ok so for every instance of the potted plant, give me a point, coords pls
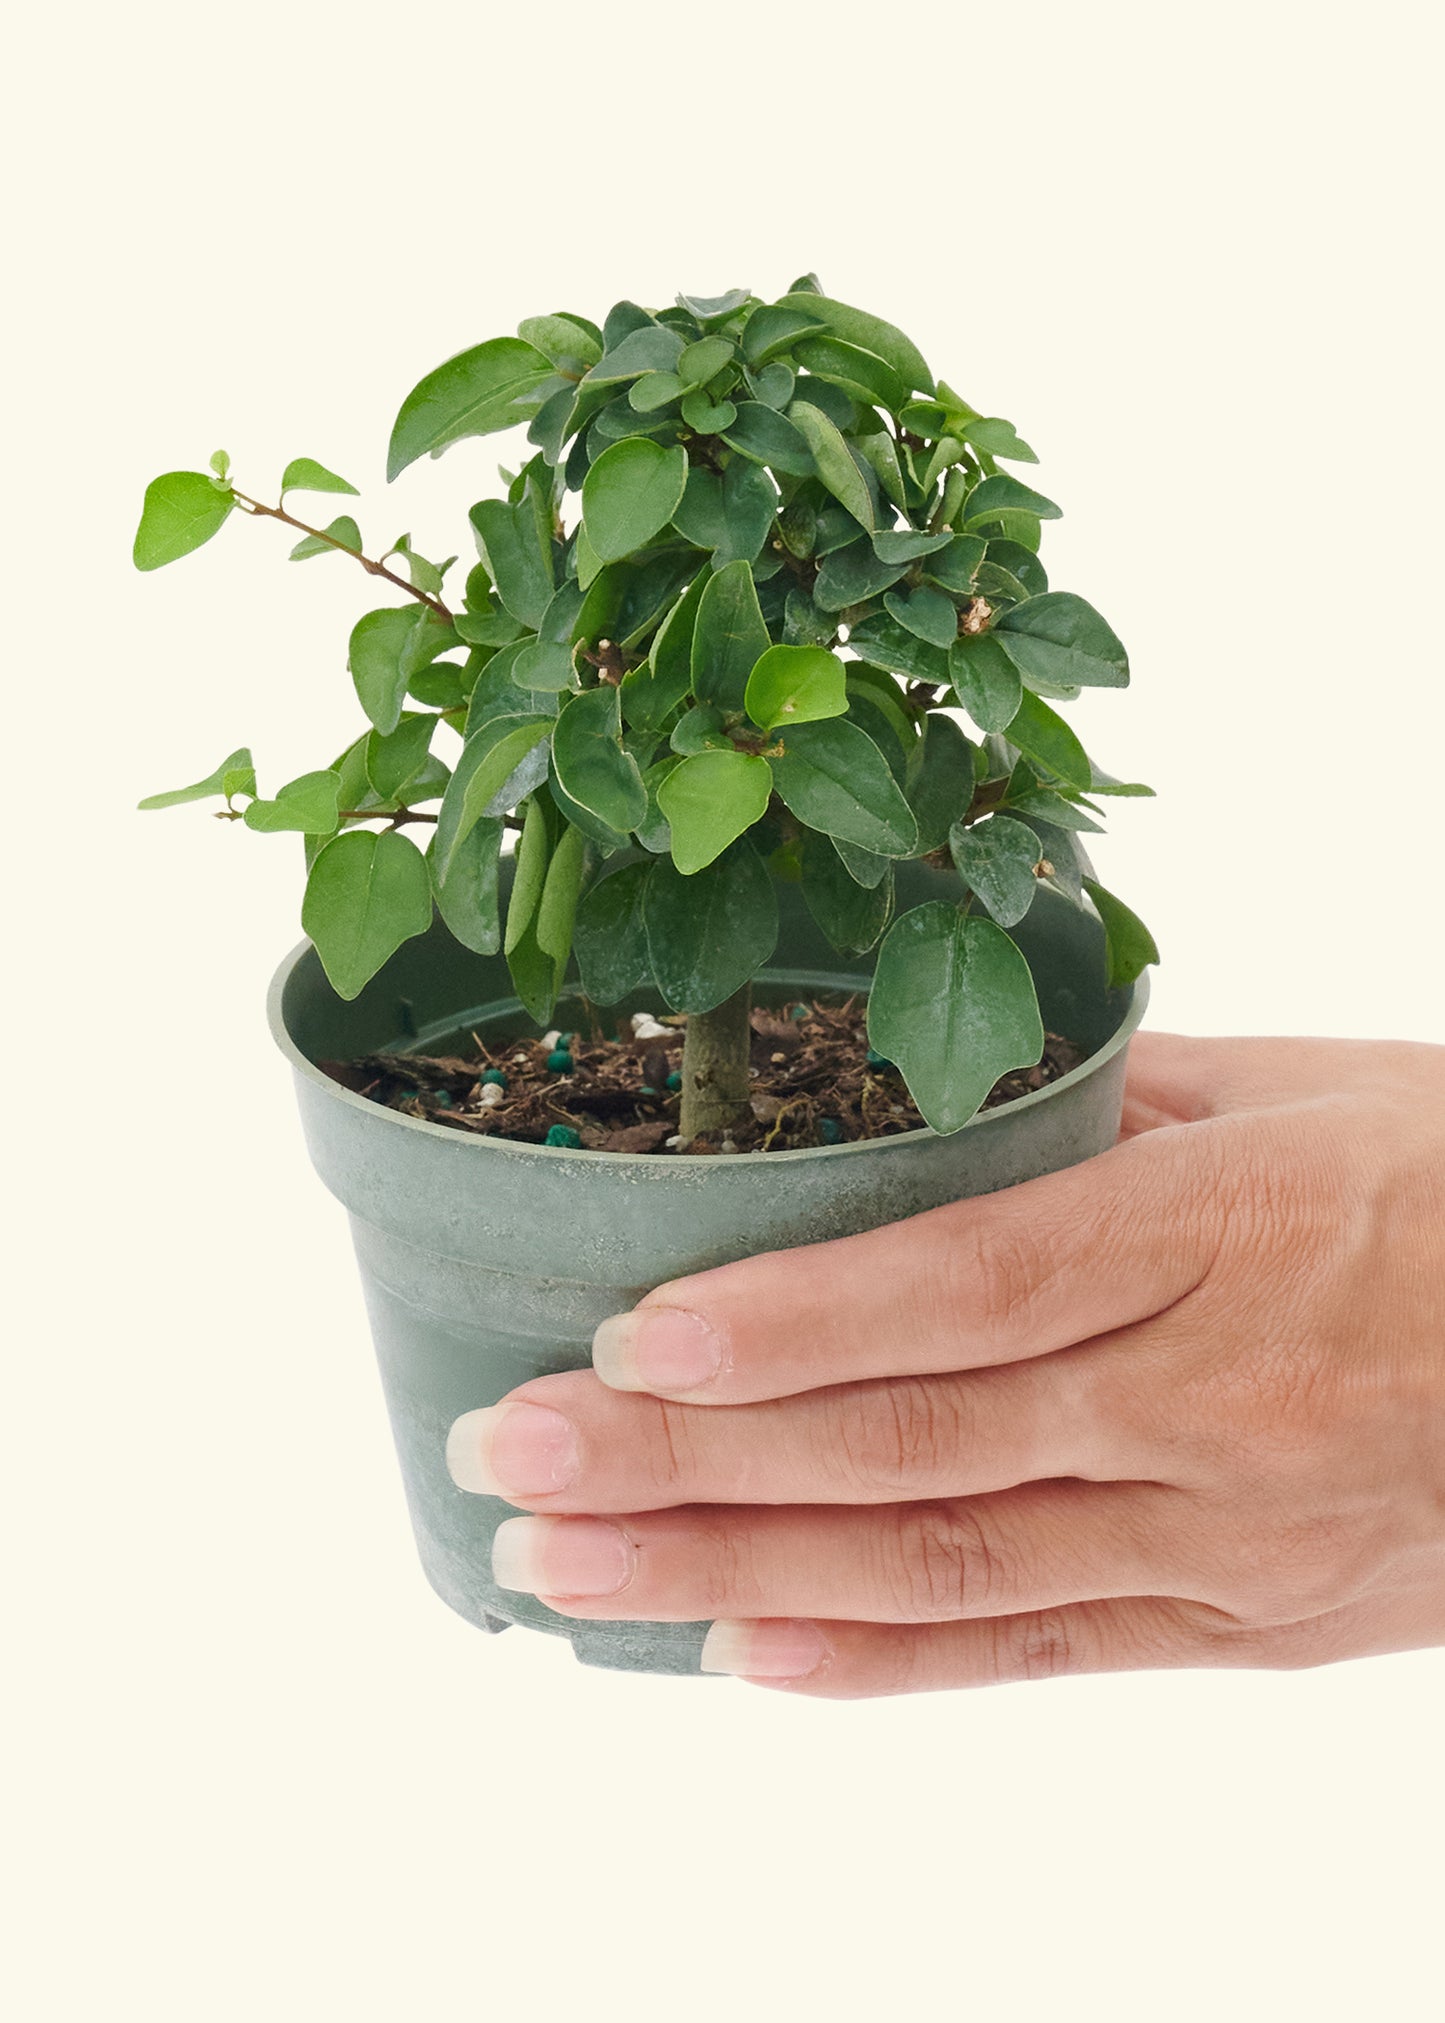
(720, 708)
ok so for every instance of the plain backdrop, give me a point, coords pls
(257, 1770)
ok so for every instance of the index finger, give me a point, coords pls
(1035, 1268)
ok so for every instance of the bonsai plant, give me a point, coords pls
(724, 681)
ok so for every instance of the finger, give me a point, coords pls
(569, 1443)
(1170, 1079)
(991, 1280)
(833, 1660)
(1173, 1079)
(1044, 1546)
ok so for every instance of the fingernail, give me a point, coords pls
(562, 1556)
(779, 1648)
(656, 1349)
(512, 1450)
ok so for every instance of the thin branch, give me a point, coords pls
(255, 507)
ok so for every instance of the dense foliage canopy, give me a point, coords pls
(797, 557)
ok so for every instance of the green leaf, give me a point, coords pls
(425, 576)
(653, 391)
(996, 859)
(893, 733)
(765, 437)
(715, 308)
(880, 453)
(729, 637)
(541, 910)
(1041, 734)
(544, 665)
(861, 373)
(1003, 494)
(234, 775)
(940, 780)
(1064, 862)
(870, 333)
(709, 934)
(645, 591)
(1129, 946)
(591, 764)
(552, 424)
(834, 459)
(795, 684)
(388, 647)
(700, 362)
(494, 693)
(954, 1005)
(853, 575)
(1053, 808)
(884, 641)
(630, 494)
(879, 691)
(998, 585)
(906, 544)
(1018, 561)
(652, 831)
(985, 679)
(182, 510)
(561, 341)
(379, 642)
(834, 778)
(483, 784)
(304, 474)
(467, 897)
(607, 839)
(864, 867)
(366, 895)
(700, 729)
(708, 417)
(996, 438)
(931, 419)
(954, 567)
(1101, 782)
(392, 761)
(1062, 640)
(804, 624)
(610, 937)
(651, 693)
(344, 530)
(650, 348)
(732, 515)
(851, 915)
(623, 318)
(772, 384)
(518, 557)
(946, 453)
(709, 801)
(491, 387)
(534, 851)
(490, 626)
(773, 328)
(926, 613)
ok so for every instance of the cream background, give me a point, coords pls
(257, 1770)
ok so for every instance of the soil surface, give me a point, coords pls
(815, 1082)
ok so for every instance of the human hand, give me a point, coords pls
(1182, 1405)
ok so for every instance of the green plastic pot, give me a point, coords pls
(485, 1263)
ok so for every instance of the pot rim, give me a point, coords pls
(981, 1120)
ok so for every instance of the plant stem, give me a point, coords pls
(715, 1090)
(319, 534)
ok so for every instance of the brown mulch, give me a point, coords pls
(814, 1083)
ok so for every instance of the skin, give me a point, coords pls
(1183, 1405)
